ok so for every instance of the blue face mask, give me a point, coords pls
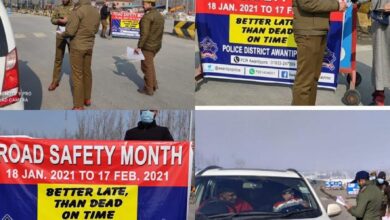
(147, 116)
(380, 181)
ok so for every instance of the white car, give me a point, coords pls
(257, 194)
(10, 93)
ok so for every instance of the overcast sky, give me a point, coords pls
(304, 140)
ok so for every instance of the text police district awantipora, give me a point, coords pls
(107, 162)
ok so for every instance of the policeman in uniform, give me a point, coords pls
(151, 33)
(60, 17)
(81, 29)
(310, 26)
(368, 201)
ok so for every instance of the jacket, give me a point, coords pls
(368, 203)
(150, 132)
(82, 26)
(311, 17)
(60, 12)
(151, 31)
(104, 13)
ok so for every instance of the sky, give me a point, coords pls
(51, 123)
(304, 140)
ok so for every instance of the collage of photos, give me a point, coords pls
(194, 109)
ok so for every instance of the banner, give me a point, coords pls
(78, 179)
(125, 24)
(353, 189)
(253, 40)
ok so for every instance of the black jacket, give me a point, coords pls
(148, 132)
(104, 13)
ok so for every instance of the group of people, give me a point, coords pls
(311, 25)
(373, 199)
(77, 24)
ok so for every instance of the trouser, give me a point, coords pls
(110, 27)
(309, 60)
(147, 67)
(81, 61)
(104, 27)
(59, 56)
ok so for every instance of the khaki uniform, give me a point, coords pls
(368, 203)
(310, 25)
(81, 29)
(151, 33)
(60, 12)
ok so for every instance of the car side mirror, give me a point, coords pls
(333, 210)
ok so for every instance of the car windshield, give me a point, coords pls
(3, 40)
(263, 197)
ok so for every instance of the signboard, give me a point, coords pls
(334, 184)
(72, 179)
(353, 189)
(346, 49)
(125, 24)
(253, 41)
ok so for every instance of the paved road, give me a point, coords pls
(115, 79)
(229, 92)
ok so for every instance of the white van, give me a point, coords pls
(257, 194)
(10, 93)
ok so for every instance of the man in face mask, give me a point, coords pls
(383, 185)
(368, 201)
(147, 129)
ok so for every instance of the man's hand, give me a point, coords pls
(342, 5)
(348, 206)
(63, 20)
(137, 51)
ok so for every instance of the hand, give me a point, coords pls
(342, 5)
(348, 206)
(387, 7)
(137, 51)
(62, 20)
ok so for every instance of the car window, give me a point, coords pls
(248, 194)
(3, 40)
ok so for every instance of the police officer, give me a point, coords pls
(151, 33)
(368, 201)
(310, 25)
(147, 129)
(60, 17)
(81, 29)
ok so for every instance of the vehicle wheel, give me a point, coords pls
(351, 97)
(358, 79)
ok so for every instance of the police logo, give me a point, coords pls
(329, 59)
(236, 59)
(208, 49)
(7, 217)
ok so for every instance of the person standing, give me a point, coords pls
(81, 29)
(368, 201)
(104, 13)
(385, 189)
(150, 42)
(113, 9)
(60, 18)
(148, 129)
(381, 50)
(310, 26)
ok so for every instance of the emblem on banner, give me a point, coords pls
(329, 59)
(7, 217)
(208, 49)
